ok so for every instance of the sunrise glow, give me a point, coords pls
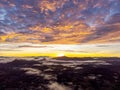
(59, 44)
(78, 28)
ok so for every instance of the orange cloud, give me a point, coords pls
(60, 21)
(46, 5)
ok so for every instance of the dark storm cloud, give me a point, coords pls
(59, 21)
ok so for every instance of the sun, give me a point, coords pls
(60, 55)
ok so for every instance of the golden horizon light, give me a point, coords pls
(58, 50)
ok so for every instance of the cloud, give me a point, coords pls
(60, 22)
(103, 34)
(30, 46)
(57, 86)
(31, 71)
(8, 50)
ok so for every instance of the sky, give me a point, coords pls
(52, 27)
